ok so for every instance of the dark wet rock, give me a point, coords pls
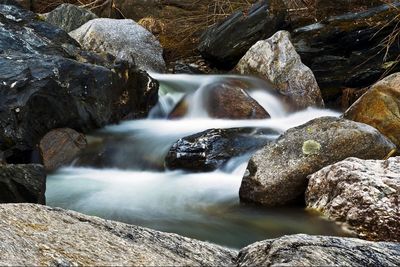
(124, 39)
(22, 183)
(60, 146)
(69, 17)
(277, 174)
(363, 194)
(34, 235)
(48, 82)
(380, 108)
(345, 51)
(211, 149)
(305, 250)
(223, 100)
(226, 43)
(277, 61)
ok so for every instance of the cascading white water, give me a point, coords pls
(200, 205)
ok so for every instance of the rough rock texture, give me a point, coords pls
(278, 173)
(223, 100)
(60, 146)
(277, 61)
(22, 183)
(225, 43)
(362, 193)
(124, 39)
(209, 150)
(37, 235)
(380, 108)
(345, 51)
(305, 250)
(48, 82)
(69, 17)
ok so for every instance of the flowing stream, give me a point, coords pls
(131, 185)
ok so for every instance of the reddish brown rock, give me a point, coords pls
(59, 147)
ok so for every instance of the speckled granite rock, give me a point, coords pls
(35, 235)
(362, 193)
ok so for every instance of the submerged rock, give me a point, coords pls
(364, 194)
(277, 61)
(345, 51)
(37, 235)
(22, 183)
(305, 250)
(277, 174)
(211, 149)
(222, 100)
(124, 39)
(69, 17)
(380, 108)
(60, 146)
(225, 43)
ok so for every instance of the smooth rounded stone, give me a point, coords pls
(125, 39)
(48, 82)
(277, 174)
(60, 146)
(380, 108)
(364, 194)
(34, 235)
(222, 100)
(277, 61)
(69, 17)
(22, 183)
(345, 51)
(226, 42)
(306, 250)
(211, 149)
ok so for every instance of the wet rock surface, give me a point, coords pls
(278, 172)
(364, 194)
(211, 149)
(22, 183)
(305, 250)
(60, 146)
(345, 51)
(380, 108)
(277, 61)
(124, 39)
(69, 17)
(225, 43)
(38, 235)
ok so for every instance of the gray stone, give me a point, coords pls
(277, 61)
(305, 250)
(22, 183)
(278, 173)
(124, 39)
(69, 17)
(364, 194)
(34, 235)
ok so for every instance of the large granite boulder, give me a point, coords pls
(22, 183)
(345, 51)
(305, 250)
(226, 42)
(277, 174)
(69, 17)
(225, 99)
(48, 82)
(277, 61)
(125, 39)
(36, 235)
(60, 146)
(380, 108)
(364, 194)
(211, 149)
